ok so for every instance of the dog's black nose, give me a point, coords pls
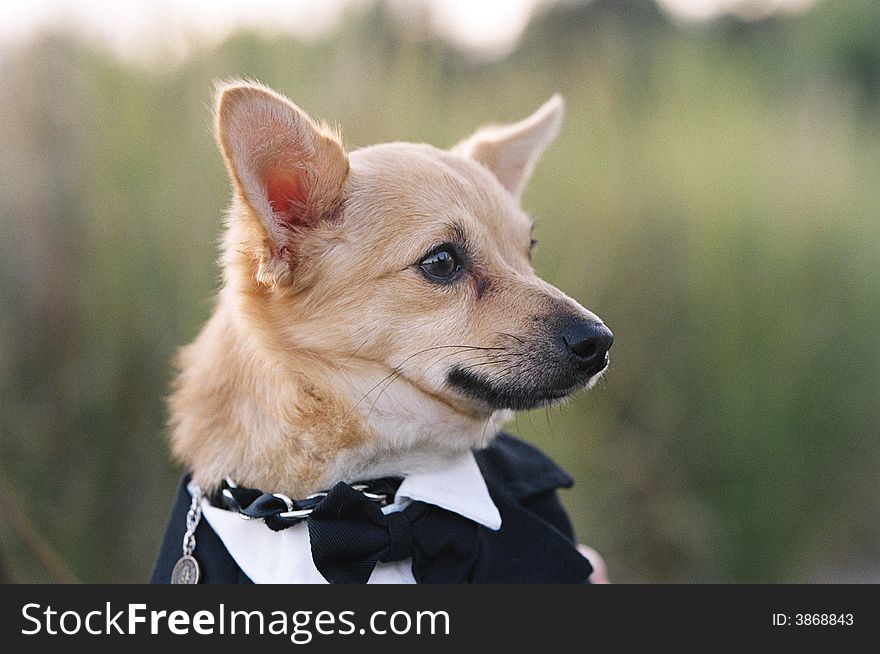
(589, 342)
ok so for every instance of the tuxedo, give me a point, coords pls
(501, 499)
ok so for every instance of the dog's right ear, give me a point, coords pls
(286, 169)
(511, 151)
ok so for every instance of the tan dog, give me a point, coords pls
(378, 310)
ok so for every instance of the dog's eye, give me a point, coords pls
(441, 265)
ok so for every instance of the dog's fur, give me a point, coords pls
(330, 356)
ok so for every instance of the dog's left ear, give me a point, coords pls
(287, 169)
(511, 151)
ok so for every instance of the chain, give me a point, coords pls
(293, 510)
(192, 521)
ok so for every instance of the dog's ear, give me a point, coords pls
(286, 168)
(511, 151)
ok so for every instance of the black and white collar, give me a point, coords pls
(267, 556)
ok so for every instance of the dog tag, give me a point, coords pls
(186, 571)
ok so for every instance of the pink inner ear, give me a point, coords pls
(289, 196)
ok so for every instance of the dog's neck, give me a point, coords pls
(236, 412)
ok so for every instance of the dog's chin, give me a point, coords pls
(516, 395)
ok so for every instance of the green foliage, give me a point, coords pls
(713, 196)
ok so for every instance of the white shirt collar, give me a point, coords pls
(268, 556)
(456, 485)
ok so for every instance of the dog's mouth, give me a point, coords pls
(570, 355)
(528, 392)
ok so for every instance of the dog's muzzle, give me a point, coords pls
(565, 356)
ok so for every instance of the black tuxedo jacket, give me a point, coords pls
(534, 545)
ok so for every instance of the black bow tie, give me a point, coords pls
(349, 533)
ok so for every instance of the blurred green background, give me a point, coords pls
(713, 196)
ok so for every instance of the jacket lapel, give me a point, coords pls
(536, 543)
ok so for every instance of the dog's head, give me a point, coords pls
(407, 256)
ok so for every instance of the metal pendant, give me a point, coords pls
(186, 570)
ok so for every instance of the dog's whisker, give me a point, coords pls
(397, 370)
(531, 422)
(486, 358)
(359, 347)
(441, 347)
(483, 431)
(374, 387)
(450, 354)
(548, 422)
(517, 339)
(381, 393)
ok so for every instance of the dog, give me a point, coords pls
(379, 318)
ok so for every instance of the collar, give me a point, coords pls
(535, 545)
(455, 484)
(265, 556)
